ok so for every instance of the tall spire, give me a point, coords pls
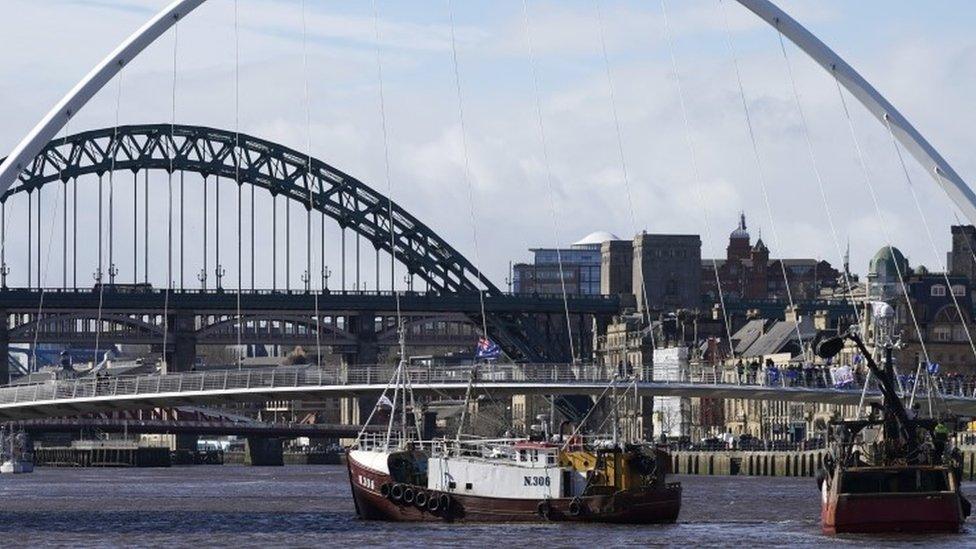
(847, 258)
(742, 220)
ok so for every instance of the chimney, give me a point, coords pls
(821, 320)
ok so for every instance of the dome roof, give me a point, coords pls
(740, 231)
(596, 238)
(883, 262)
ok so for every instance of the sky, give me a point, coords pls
(523, 191)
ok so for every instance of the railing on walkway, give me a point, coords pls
(379, 375)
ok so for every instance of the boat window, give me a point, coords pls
(905, 481)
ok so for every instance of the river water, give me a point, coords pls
(310, 506)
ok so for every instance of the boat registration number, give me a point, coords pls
(536, 481)
(367, 482)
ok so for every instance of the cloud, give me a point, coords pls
(925, 67)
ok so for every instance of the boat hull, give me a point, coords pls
(876, 513)
(16, 467)
(631, 507)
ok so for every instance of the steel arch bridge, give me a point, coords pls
(316, 186)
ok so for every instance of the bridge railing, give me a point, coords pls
(380, 375)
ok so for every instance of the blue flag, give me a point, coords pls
(487, 349)
(933, 368)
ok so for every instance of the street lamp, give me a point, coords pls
(326, 273)
(202, 277)
(220, 272)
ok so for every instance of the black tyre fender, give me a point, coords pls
(445, 503)
(434, 503)
(408, 495)
(544, 509)
(385, 489)
(575, 508)
(421, 499)
(396, 492)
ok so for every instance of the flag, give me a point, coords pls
(487, 349)
(843, 375)
(384, 401)
(933, 368)
(773, 375)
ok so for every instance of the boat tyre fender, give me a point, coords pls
(421, 499)
(445, 503)
(433, 503)
(828, 463)
(385, 489)
(544, 509)
(408, 495)
(396, 492)
(575, 508)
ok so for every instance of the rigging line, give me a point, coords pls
(760, 167)
(467, 167)
(693, 151)
(42, 278)
(237, 171)
(884, 230)
(386, 154)
(928, 232)
(111, 174)
(308, 186)
(548, 168)
(401, 366)
(176, 44)
(816, 169)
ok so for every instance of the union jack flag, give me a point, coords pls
(487, 349)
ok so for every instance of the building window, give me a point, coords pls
(958, 290)
(942, 333)
(938, 290)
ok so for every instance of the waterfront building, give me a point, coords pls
(748, 273)
(577, 267)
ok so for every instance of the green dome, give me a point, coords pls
(883, 262)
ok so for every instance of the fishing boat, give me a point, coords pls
(891, 472)
(398, 477)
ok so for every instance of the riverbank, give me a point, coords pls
(771, 464)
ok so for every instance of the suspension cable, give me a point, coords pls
(172, 156)
(623, 162)
(693, 152)
(931, 239)
(42, 278)
(113, 150)
(308, 185)
(869, 183)
(760, 167)
(467, 167)
(816, 168)
(548, 167)
(237, 173)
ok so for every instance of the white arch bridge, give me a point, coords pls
(225, 387)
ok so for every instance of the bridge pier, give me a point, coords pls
(262, 451)
(4, 349)
(182, 333)
(363, 326)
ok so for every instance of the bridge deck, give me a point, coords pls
(85, 395)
